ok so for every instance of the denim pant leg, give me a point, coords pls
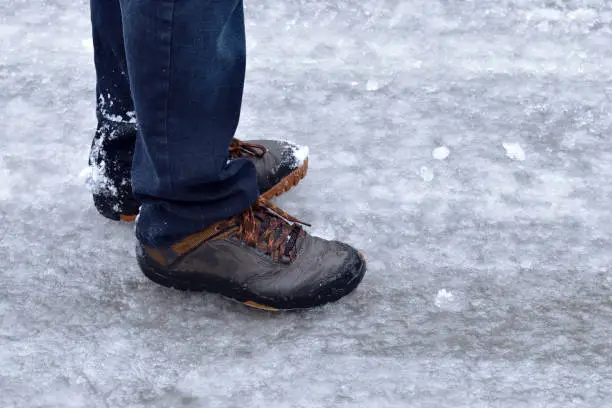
(113, 143)
(112, 87)
(186, 63)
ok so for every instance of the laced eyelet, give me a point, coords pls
(269, 229)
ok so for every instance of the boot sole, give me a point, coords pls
(286, 184)
(334, 291)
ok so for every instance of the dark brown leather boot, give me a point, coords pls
(262, 258)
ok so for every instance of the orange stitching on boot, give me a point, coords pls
(156, 255)
(260, 306)
(225, 234)
(194, 240)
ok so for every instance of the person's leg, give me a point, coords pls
(113, 87)
(113, 144)
(186, 64)
(201, 225)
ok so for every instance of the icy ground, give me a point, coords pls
(464, 146)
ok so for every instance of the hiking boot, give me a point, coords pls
(110, 166)
(262, 258)
(280, 166)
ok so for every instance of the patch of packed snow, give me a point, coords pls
(514, 151)
(449, 301)
(372, 85)
(443, 297)
(426, 173)
(440, 153)
(300, 153)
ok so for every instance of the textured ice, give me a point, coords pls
(528, 245)
(5, 184)
(346, 159)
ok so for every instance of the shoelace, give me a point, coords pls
(267, 227)
(239, 148)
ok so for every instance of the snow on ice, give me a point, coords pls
(440, 153)
(514, 151)
(489, 287)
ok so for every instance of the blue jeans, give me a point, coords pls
(176, 67)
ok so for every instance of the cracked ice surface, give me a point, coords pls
(372, 87)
